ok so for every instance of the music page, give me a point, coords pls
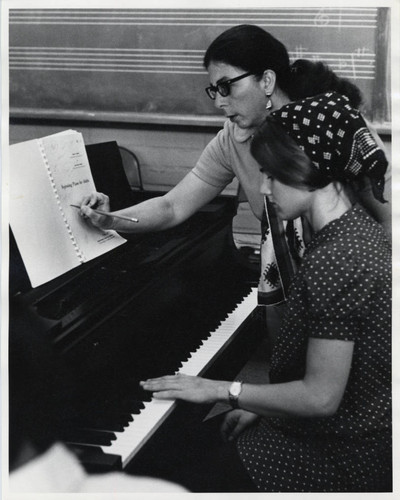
(48, 175)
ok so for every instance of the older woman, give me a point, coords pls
(251, 76)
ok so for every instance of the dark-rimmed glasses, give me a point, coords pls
(223, 88)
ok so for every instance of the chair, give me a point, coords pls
(132, 168)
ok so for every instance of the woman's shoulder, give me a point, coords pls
(230, 132)
(229, 144)
(353, 240)
(220, 142)
(346, 268)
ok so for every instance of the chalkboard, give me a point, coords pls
(148, 63)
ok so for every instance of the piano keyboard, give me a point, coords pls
(133, 437)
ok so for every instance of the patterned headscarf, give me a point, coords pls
(335, 137)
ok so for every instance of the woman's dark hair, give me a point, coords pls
(254, 50)
(312, 78)
(280, 156)
(251, 48)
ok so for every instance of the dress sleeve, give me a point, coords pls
(214, 165)
(340, 291)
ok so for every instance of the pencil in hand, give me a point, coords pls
(102, 212)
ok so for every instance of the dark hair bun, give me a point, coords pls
(310, 78)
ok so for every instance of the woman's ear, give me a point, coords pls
(269, 81)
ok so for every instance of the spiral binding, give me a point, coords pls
(78, 251)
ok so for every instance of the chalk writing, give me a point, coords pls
(322, 18)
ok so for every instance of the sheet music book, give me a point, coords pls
(47, 175)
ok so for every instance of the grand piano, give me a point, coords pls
(178, 300)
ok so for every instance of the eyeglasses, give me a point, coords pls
(223, 88)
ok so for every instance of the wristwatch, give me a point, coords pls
(234, 392)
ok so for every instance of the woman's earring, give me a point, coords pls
(268, 106)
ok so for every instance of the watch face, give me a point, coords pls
(235, 388)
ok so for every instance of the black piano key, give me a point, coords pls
(111, 412)
(94, 459)
(139, 394)
(89, 436)
(110, 426)
(115, 422)
(109, 405)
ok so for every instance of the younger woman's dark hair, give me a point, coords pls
(254, 50)
(279, 155)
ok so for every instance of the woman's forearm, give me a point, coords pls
(299, 398)
(290, 399)
(154, 214)
(318, 394)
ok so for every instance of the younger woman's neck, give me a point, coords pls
(329, 203)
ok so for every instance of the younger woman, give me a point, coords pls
(323, 424)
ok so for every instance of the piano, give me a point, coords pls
(181, 300)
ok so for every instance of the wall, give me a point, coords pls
(146, 65)
(136, 76)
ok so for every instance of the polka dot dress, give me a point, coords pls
(341, 291)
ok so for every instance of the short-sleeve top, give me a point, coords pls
(227, 156)
(342, 290)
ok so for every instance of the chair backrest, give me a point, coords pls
(109, 173)
(132, 168)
